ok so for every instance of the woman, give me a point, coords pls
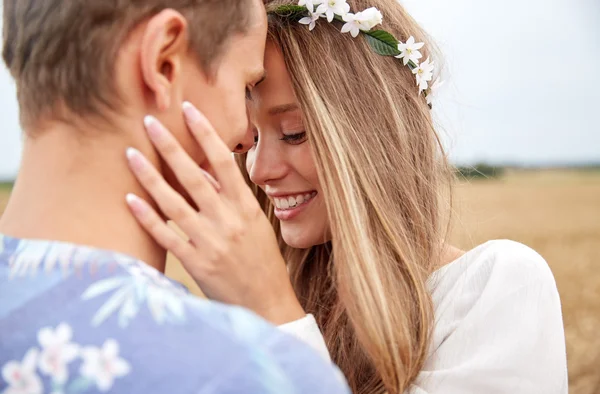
(349, 169)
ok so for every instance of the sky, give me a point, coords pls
(522, 82)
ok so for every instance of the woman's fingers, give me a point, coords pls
(201, 187)
(217, 153)
(158, 229)
(171, 203)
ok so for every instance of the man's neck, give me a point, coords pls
(72, 187)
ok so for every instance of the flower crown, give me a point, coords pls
(308, 12)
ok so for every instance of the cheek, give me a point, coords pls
(229, 107)
(305, 165)
(175, 123)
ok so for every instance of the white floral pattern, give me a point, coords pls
(144, 285)
(21, 376)
(103, 365)
(57, 352)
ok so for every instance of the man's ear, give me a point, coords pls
(164, 44)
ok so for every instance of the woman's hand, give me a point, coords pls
(232, 253)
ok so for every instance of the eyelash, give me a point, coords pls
(295, 139)
(292, 139)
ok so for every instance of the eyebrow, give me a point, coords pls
(281, 109)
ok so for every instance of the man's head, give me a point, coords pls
(80, 60)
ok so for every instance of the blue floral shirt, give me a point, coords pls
(79, 320)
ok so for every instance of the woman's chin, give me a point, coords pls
(299, 239)
(298, 242)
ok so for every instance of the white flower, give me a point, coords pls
(434, 91)
(103, 365)
(364, 21)
(310, 4)
(311, 20)
(369, 18)
(352, 25)
(333, 7)
(21, 377)
(57, 352)
(410, 51)
(424, 73)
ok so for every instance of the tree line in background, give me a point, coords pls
(479, 171)
(472, 172)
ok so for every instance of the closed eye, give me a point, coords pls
(295, 139)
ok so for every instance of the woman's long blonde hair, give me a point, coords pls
(382, 171)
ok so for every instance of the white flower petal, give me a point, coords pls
(306, 20)
(330, 15)
(70, 352)
(30, 360)
(344, 8)
(64, 333)
(110, 349)
(349, 17)
(46, 337)
(105, 382)
(347, 27)
(307, 3)
(9, 371)
(120, 367)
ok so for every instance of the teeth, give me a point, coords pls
(293, 201)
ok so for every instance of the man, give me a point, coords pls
(103, 317)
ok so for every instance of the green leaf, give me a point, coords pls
(382, 42)
(290, 11)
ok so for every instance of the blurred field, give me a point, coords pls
(558, 214)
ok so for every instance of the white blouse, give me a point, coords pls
(498, 326)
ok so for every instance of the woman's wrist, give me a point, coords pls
(284, 309)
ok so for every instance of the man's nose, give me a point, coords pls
(247, 140)
(245, 145)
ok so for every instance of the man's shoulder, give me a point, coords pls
(106, 322)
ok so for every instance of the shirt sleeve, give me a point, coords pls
(307, 330)
(510, 339)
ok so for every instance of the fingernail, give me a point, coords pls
(192, 115)
(153, 126)
(135, 158)
(135, 203)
